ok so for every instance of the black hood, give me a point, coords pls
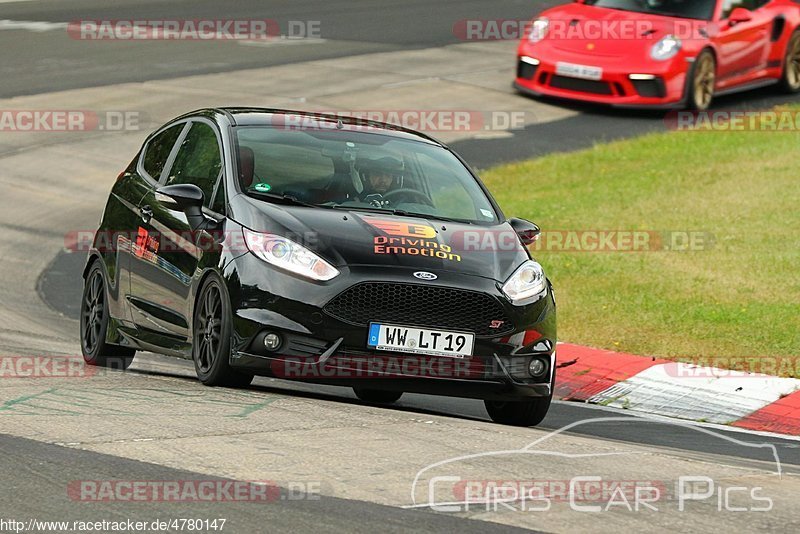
(344, 237)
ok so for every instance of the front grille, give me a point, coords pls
(578, 84)
(421, 305)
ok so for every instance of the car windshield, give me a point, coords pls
(690, 9)
(356, 170)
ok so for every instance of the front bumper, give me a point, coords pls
(320, 348)
(397, 372)
(654, 86)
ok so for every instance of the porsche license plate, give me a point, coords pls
(579, 71)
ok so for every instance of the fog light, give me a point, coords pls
(537, 368)
(272, 341)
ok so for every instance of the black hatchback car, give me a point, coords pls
(325, 249)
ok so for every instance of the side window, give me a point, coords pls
(198, 161)
(157, 151)
(729, 5)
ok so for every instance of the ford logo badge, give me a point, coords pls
(422, 275)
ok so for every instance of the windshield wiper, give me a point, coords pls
(401, 213)
(290, 199)
(437, 217)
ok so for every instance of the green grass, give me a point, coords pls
(740, 298)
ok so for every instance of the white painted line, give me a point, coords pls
(31, 26)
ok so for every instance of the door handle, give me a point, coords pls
(146, 212)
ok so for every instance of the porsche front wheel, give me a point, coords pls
(790, 79)
(703, 81)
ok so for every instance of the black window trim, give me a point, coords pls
(170, 158)
(220, 177)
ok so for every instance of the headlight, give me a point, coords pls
(666, 48)
(286, 254)
(538, 30)
(528, 281)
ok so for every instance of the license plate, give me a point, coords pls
(579, 71)
(420, 340)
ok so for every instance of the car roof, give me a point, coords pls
(251, 116)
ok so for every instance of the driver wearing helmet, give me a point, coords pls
(379, 177)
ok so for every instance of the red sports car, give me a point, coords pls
(660, 53)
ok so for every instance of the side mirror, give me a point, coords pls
(738, 15)
(527, 231)
(187, 198)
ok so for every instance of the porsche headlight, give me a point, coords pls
(286, 254)
(666, 48)
(538, 30)
(527, 282)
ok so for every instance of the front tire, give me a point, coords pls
(704, 77)
(790, 78)
(529, 412)
(377, 395)
(211, 338)
(94, 325)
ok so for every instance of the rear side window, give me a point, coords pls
(198, 161)
(158, 149)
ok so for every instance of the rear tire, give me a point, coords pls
(94, 324)
(377, 395)
(211, 338)
(790, 78)
(528, 412)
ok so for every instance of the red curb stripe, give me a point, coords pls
(782, 416)
(594, 370)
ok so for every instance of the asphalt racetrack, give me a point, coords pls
(355, 464)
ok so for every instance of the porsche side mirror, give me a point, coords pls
(527, 231)
(187, 198)
(739, 15)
